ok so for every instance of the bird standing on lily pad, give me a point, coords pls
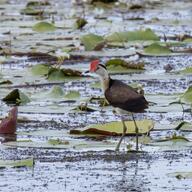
(121, 96)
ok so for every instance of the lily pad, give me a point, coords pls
(187, 96)
(62, 74)
(72, 95)
(156, 49)
(92, 42)
(116, 128)
(31, 11)
(122, 66)
(40, 69)
(16, 97)
(187, 70)
(184, 126)
(84, 108)
(7, 82)
(80, 23)
(181, 175)
(123, 63)
(17, 163)
(60, 144)
(37, 3)
(42, 27)
(175, 142)
(142, 35)
(56, 91)
(57, 142)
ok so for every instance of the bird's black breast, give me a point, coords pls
(125, 97)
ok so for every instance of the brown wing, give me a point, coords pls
(125, 97)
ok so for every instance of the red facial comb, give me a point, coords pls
(93, 65)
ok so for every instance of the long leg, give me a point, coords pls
(123, 135)
(137, 133)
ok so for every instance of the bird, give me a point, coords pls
(121, 96)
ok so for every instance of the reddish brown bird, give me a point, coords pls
(120, 96)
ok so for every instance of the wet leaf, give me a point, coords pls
(8, 125)
(187, 70)
(72, 95)
(119, 64)
(102, 101)
(57, 142)
(92, 42)
(181, 175)
(84, 107)
(16, 97)
(188, 40)
(42, 27)
(187, 96)
(62, 74)
(17, 163)
(116, 128)
(174, 138)
(155, 48)
(8, 82)
(184, 126)
(80, 23)
(96, 85)
(37, 3)
(31, 11)
(142, 35)
(174, 142)
(40, 69)
(56, 92)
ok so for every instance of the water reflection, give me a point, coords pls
(129, 178)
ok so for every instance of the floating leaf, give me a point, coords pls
(181, 175)
(54, 144)
(102, 101)
(8, 82)
(187, 96)
(174, 138)
(80, 23)
(84, 107)
(8, 125)
(31, 11)
(155, 48)
(174, 142)
(117, 64)
(188, 40)
(187, 70)
(16, 97)
(184, 126)
(44, 27)
(56, 91)
(61, 74)
(40, 69)
(72, 95)
(96, 85)
(92, 42)
(141, 35)
(116, 128)
(57, 142)
(37, 3)
(17, 163)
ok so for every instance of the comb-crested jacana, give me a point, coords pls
(120, 96)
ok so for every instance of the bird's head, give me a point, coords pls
(98, 68)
